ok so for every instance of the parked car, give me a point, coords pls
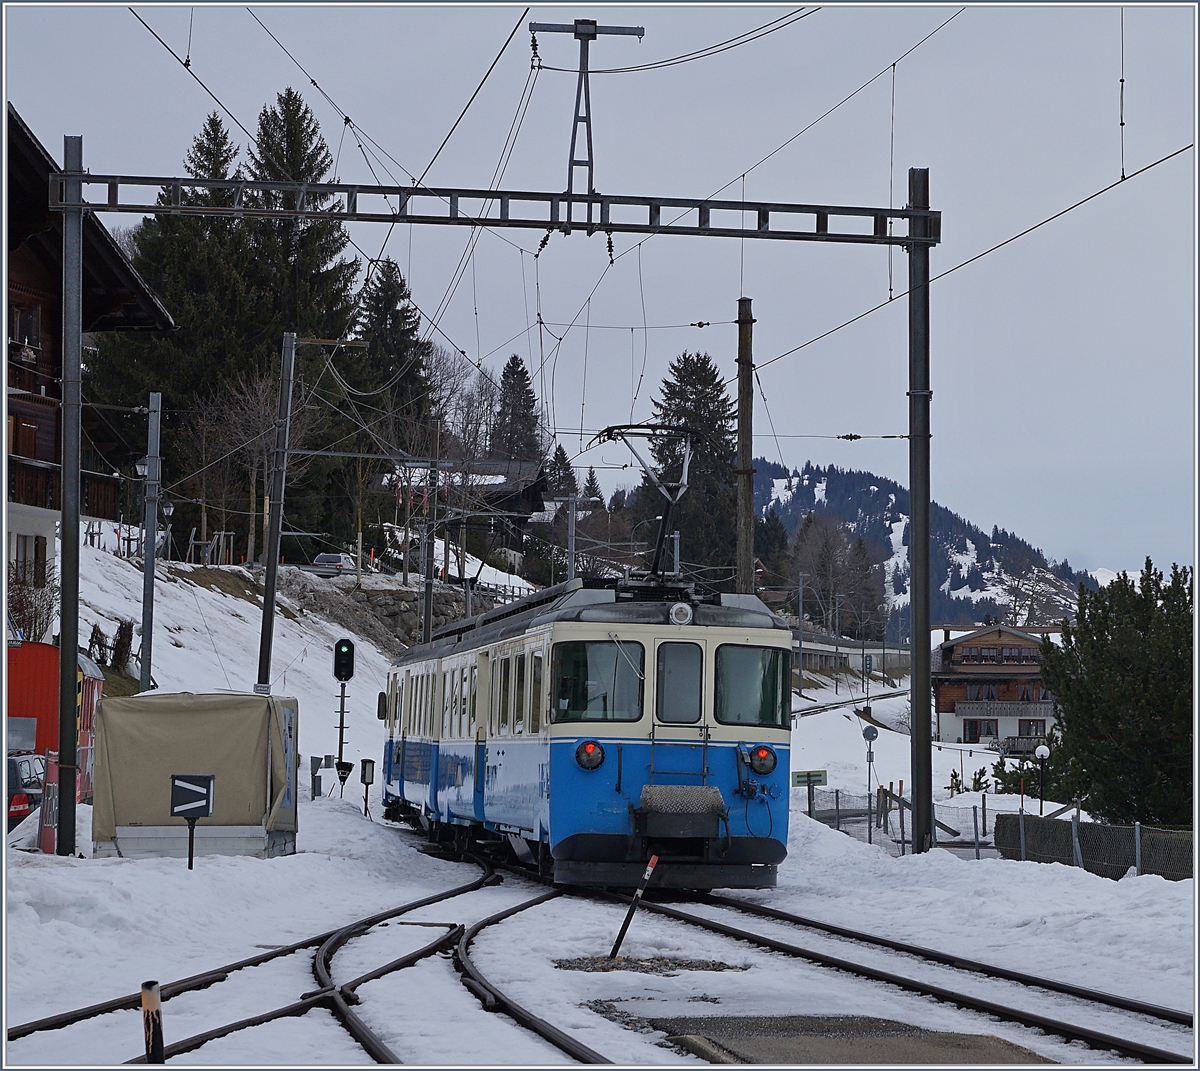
(26, 774)
(331, 565)
(339, 562)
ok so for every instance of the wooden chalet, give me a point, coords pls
(988, 690)
(115, 298)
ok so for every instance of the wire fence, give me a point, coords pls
(1107, 850)
(1110, 851)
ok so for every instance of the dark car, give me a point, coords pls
(24, 779)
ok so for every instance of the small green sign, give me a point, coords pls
(803, 778)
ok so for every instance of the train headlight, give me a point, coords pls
(590, 754)
(762, 759)
(681, 614)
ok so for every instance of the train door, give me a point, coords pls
(679, 731)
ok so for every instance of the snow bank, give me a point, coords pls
(206, 640)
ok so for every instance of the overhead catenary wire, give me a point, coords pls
(710, 50)
(978, 256)
(807, 127)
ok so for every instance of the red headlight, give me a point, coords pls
(589, 754)
(762, 759)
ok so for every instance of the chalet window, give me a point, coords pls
(1024, 693)
(982, 691)
(1011, 654)
(26, 326)
(1045, 694)
(987, 654)
(1029, 654)
(1031, 727)
(976, 729)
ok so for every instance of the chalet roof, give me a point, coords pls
(987, 630)
(115, 297)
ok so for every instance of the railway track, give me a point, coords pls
(1068, 1031)
(340, 999)
(456, 939)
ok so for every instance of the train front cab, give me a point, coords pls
(672, 742)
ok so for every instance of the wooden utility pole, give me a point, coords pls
(274, 533)
(745, 449)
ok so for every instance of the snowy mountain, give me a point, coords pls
(975, 574)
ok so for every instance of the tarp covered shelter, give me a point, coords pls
(247, 742)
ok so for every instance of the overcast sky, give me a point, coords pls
(1063, 366)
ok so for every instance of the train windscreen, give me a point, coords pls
(597, 681)
(752, 686)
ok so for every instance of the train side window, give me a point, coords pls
(680, 666)
(535, 692)
(519, 696)
(493, 697)
(597, 680)
(454, 703)
(460, 703)
(505, 693)
(474, 691)
(446, 708)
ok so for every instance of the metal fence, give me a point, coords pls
(1110, 851)
(882, 818)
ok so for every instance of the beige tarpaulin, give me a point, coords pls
(142, 740)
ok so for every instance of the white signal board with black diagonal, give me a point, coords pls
(192, 795)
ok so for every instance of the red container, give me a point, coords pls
(33, 693)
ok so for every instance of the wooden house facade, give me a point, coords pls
(115, 298)
(988, 690)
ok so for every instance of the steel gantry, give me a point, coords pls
(917, 228)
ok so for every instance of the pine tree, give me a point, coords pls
(591, 486)
(198, 266)
(770, 546)
(515, 434)
(305, 282)
(692, 396)
(560, 476)
(395, 359)
(1122, 687)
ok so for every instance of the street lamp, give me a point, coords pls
(142, 464)
(168, 508)
(1043, 753)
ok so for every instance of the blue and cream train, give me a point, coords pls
(599, 722)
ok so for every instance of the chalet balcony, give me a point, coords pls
(1021, 746)
(1000, 708)
(39, 483)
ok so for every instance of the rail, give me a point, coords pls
(1070, 1031)
(336, 999)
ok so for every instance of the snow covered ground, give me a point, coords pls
(79, 931)
(83, 930)
(206, 640)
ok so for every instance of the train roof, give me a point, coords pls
(599, 600)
